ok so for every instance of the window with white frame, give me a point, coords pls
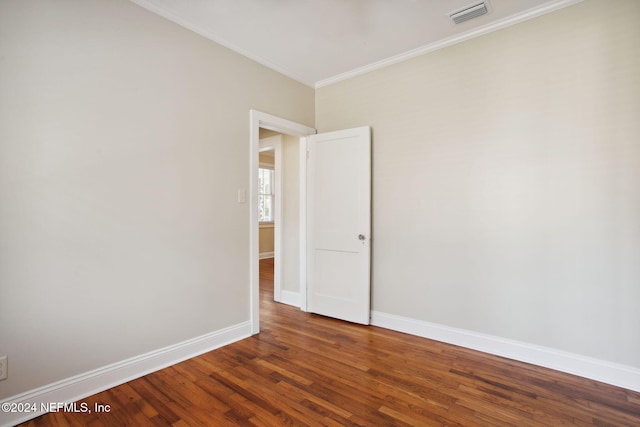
(265, 194)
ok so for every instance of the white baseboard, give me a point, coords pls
(92, 382)
(290, 298)
(265, 255)
(607, 372)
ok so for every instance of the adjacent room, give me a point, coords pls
(503, 242)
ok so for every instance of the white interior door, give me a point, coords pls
(339, 224)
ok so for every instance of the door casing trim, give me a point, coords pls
(257, 120)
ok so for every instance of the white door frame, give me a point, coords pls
(257, 120)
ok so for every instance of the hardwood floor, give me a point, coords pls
(304, 369)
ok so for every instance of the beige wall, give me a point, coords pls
(265, 240)
(506, 181)
(124, 139)
(291, 214)
(266, 158)
(266, 133)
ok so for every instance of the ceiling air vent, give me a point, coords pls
(469, 12)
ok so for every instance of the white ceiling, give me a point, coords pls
(318, 42)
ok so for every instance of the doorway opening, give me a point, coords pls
(269, 198)
(273, 220)
(292, 146)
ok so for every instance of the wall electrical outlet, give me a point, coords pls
(4, 369)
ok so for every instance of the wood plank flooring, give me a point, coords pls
(304, 369)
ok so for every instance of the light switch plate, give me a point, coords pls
(4, 369)
(242, 196)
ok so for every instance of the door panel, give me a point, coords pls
(339, 224)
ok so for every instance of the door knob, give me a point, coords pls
(360, 236)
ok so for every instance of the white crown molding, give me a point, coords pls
(599, 370)
(92, 382)
(548, 7)
(450, 41)
(221, 41)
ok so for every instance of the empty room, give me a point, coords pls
(454, 208)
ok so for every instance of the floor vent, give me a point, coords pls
(470, 12)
